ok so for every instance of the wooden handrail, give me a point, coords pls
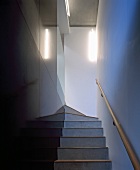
(132, 155)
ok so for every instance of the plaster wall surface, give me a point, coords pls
(118, 72)
(80, 88)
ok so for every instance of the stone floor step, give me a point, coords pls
(77, 132)
(65, 124)
(82, 124)
(45, 124)
(77, 153)
(82, 141)
(44, 132)
(82, 165)
(24, 142)
(67, 117)
(41, 132)
(34, 165)
(74, 117)
(37, 154)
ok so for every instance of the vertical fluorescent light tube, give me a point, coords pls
(67, 7)
(46, 49)
(92, 46)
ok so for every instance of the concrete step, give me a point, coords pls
(77, 132)
(44, 132)
(37, 154)
(82, 124)
(54, 117)
(45, 124)
(65, 124)
(67, 117)
(74, 117)
(82, 141)
(82, 165)
(31, 142)
(83, 153)
(41, 132)
(34, 165)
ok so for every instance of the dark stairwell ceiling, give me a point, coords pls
(83, 12)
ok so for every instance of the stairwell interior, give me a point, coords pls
(63, 141)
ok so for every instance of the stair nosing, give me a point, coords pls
(82, 147)
(65, 121)
(82, 137)
(60, 128)
(98, 160)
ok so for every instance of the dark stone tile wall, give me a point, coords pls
(28, 84)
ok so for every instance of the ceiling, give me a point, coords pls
(82, 12)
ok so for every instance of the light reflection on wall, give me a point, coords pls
(67, 7)
(46, 44)
(93, 45)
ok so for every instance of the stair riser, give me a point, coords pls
(45, 124)
(82, 153)
(55, 117)
(82, 142)
(38, 154)
(37, 142)
(83, 166)
(40, 132)
(67, 117)
(35, 165)
(72, 117)
(34, 132)
(66, 124)
(82, 132)
(82, 124)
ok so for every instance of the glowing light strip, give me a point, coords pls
(46, 49)
(92, 46)
(67, 7)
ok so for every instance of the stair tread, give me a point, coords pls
(82, 137)
(82, 147)
(61, 128)
(37, 120)
(37, 160)
(60, 137)
(61, 161)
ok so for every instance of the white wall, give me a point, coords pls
(119, 74)
(80, 88)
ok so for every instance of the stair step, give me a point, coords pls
(82, 124)
(37, 154)
(35, 165)
(74, 117)
(42, 132)
(45, 124)
(67, 117)
(54, 117)
(65, 124)
(83, 165)
(37, 142)
(77, 132)
(82, 153)
(82, 141)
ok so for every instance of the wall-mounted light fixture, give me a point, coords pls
(46, 44)
(67, 7)
(92, 46)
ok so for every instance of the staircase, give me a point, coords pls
(62, 141)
